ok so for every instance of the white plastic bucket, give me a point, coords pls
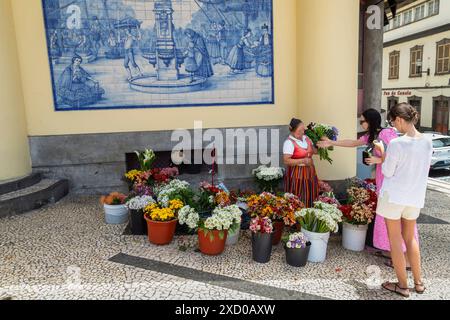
(354, 236)
(117, 214)
(319, 245)
(233, 238)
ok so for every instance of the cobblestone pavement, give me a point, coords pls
(66, 251)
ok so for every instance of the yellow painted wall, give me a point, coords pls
(14, 152)
(327, 73)
(42, 120)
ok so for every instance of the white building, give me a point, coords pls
(416, 67)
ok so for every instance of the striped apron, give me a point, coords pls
(302, 181)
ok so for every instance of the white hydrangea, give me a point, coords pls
(189, 217)
(268, 173)
(224, 218)
(329, 214)
(163, 192)
(139, 203)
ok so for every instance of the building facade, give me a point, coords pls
(90, 147)
(416, 66)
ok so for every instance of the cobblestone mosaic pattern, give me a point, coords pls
(64, 251)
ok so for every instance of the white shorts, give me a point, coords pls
(394, 211)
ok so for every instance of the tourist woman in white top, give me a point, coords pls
(405, 168)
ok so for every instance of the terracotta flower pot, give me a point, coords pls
(278, 227)
(161, 233)
(211, 244)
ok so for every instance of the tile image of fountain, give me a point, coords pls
(167, 60)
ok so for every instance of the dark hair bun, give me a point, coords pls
(294, 124)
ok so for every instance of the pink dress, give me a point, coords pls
(380, 235)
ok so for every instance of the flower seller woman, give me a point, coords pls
(301, 177)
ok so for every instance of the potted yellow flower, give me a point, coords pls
(162, 221)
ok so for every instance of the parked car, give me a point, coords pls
(441, 150)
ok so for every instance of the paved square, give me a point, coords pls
(66, 251)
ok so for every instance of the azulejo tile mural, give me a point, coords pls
(159, 53)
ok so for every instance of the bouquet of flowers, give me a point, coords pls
(261, 225)
(316, 132)
(206, 197)
(361, 207)
(322, 218)
(223, 199)
(139, 202)
(175, 189)
(113, 199)
(268, 178)
(221, 219)
(324, 187)
(146, 159)
(296, 241)
(163, 214)
(274, 207)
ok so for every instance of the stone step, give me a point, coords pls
(7, 186)
(33, 197)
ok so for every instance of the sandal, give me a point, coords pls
(420, 284)
(391, 265)
(380, 254)
(404, 292)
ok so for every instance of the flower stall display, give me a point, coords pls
(316, 131)
(358, 214)
(268, 178)
(135, 206)
(262, 233)
(297, 249)
(317, 223)
(146, 159)
(280, 209)
(115, 210)
(162, 221)
(212, 231)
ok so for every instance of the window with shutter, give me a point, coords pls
(443, 57)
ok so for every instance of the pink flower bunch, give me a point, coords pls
(329, 200)
(261, 225)
(324, 187)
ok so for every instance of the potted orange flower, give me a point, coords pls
(115, 210)
(162, 221)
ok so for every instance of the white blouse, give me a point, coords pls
(288, 147)
(406, 170)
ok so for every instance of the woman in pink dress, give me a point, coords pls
(371, 122)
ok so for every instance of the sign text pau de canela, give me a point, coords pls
(391, 93)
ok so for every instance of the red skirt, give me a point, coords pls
(303, 182)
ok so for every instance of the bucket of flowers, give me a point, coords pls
(262, 233)
(297, 249)
(318, 131)
(206, 198)
(317, 223)
(162, 221)
(268, 178)
(279, 209)
(227, 200)
(358, 214)
(142, 182)
(115, 210)
(212, 231)
(136, 205)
